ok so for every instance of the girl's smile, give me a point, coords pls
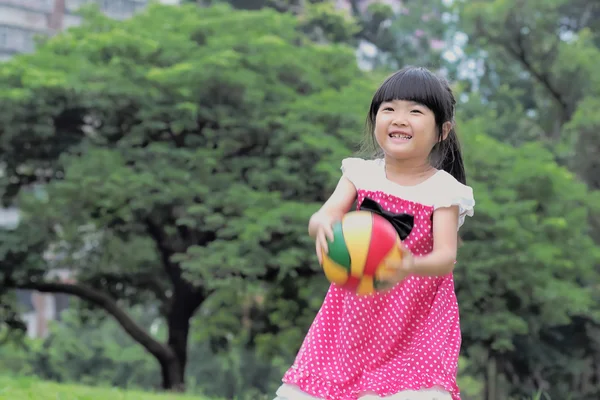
(400, 136)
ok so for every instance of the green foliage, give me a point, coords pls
(529, 255)
(544, 53)
(94, 352)
(538, 82)
(540, 213)
(471, 385)
(16, 359)
(323, 23)
(88, 349)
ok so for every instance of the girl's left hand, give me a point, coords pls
(398, 270)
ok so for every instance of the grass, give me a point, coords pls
(22, 388)
(33, 389)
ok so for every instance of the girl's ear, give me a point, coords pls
(446, 128)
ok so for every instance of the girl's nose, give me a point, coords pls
(399, 120)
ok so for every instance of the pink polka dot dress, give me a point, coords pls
(398, 345)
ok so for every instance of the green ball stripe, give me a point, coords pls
(338, 251)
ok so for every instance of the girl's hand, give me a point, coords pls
(338, 204)
(399, 270)
(324, 231)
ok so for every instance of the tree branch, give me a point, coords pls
(146, 280)
(520, 55)
(163, 353)
(364, 32)
(541, 76)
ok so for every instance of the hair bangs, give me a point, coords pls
(412, 84)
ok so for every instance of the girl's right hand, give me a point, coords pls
(338, 204)
(323, 224)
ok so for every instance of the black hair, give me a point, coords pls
(420, 85)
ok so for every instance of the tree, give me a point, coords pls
(529, 280)
(546, 53)
(539, 75)
(155, 156)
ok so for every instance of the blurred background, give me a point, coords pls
(159, 162)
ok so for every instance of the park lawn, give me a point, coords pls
(32, 389)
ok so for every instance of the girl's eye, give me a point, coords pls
(388, 109)
(416, 111)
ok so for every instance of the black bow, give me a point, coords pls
(403, 223)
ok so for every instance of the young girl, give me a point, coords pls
(402, 344)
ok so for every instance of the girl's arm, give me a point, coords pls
(442, 258)
(334, 208)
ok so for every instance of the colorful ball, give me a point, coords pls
(362, 244)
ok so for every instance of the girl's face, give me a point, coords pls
(405, 129)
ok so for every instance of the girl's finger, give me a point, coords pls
(318, 250)
(328, 233)
(403, 249)
(323, 243)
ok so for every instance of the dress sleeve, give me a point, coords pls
(356, 170)
(457, 194)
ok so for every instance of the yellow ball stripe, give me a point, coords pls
(334, 271)
(366, 286)
(357, 227)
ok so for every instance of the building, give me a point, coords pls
(22, 20)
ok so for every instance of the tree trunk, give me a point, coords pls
(178, 322)
(491, 390)
(186, 301)
(172, 375)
